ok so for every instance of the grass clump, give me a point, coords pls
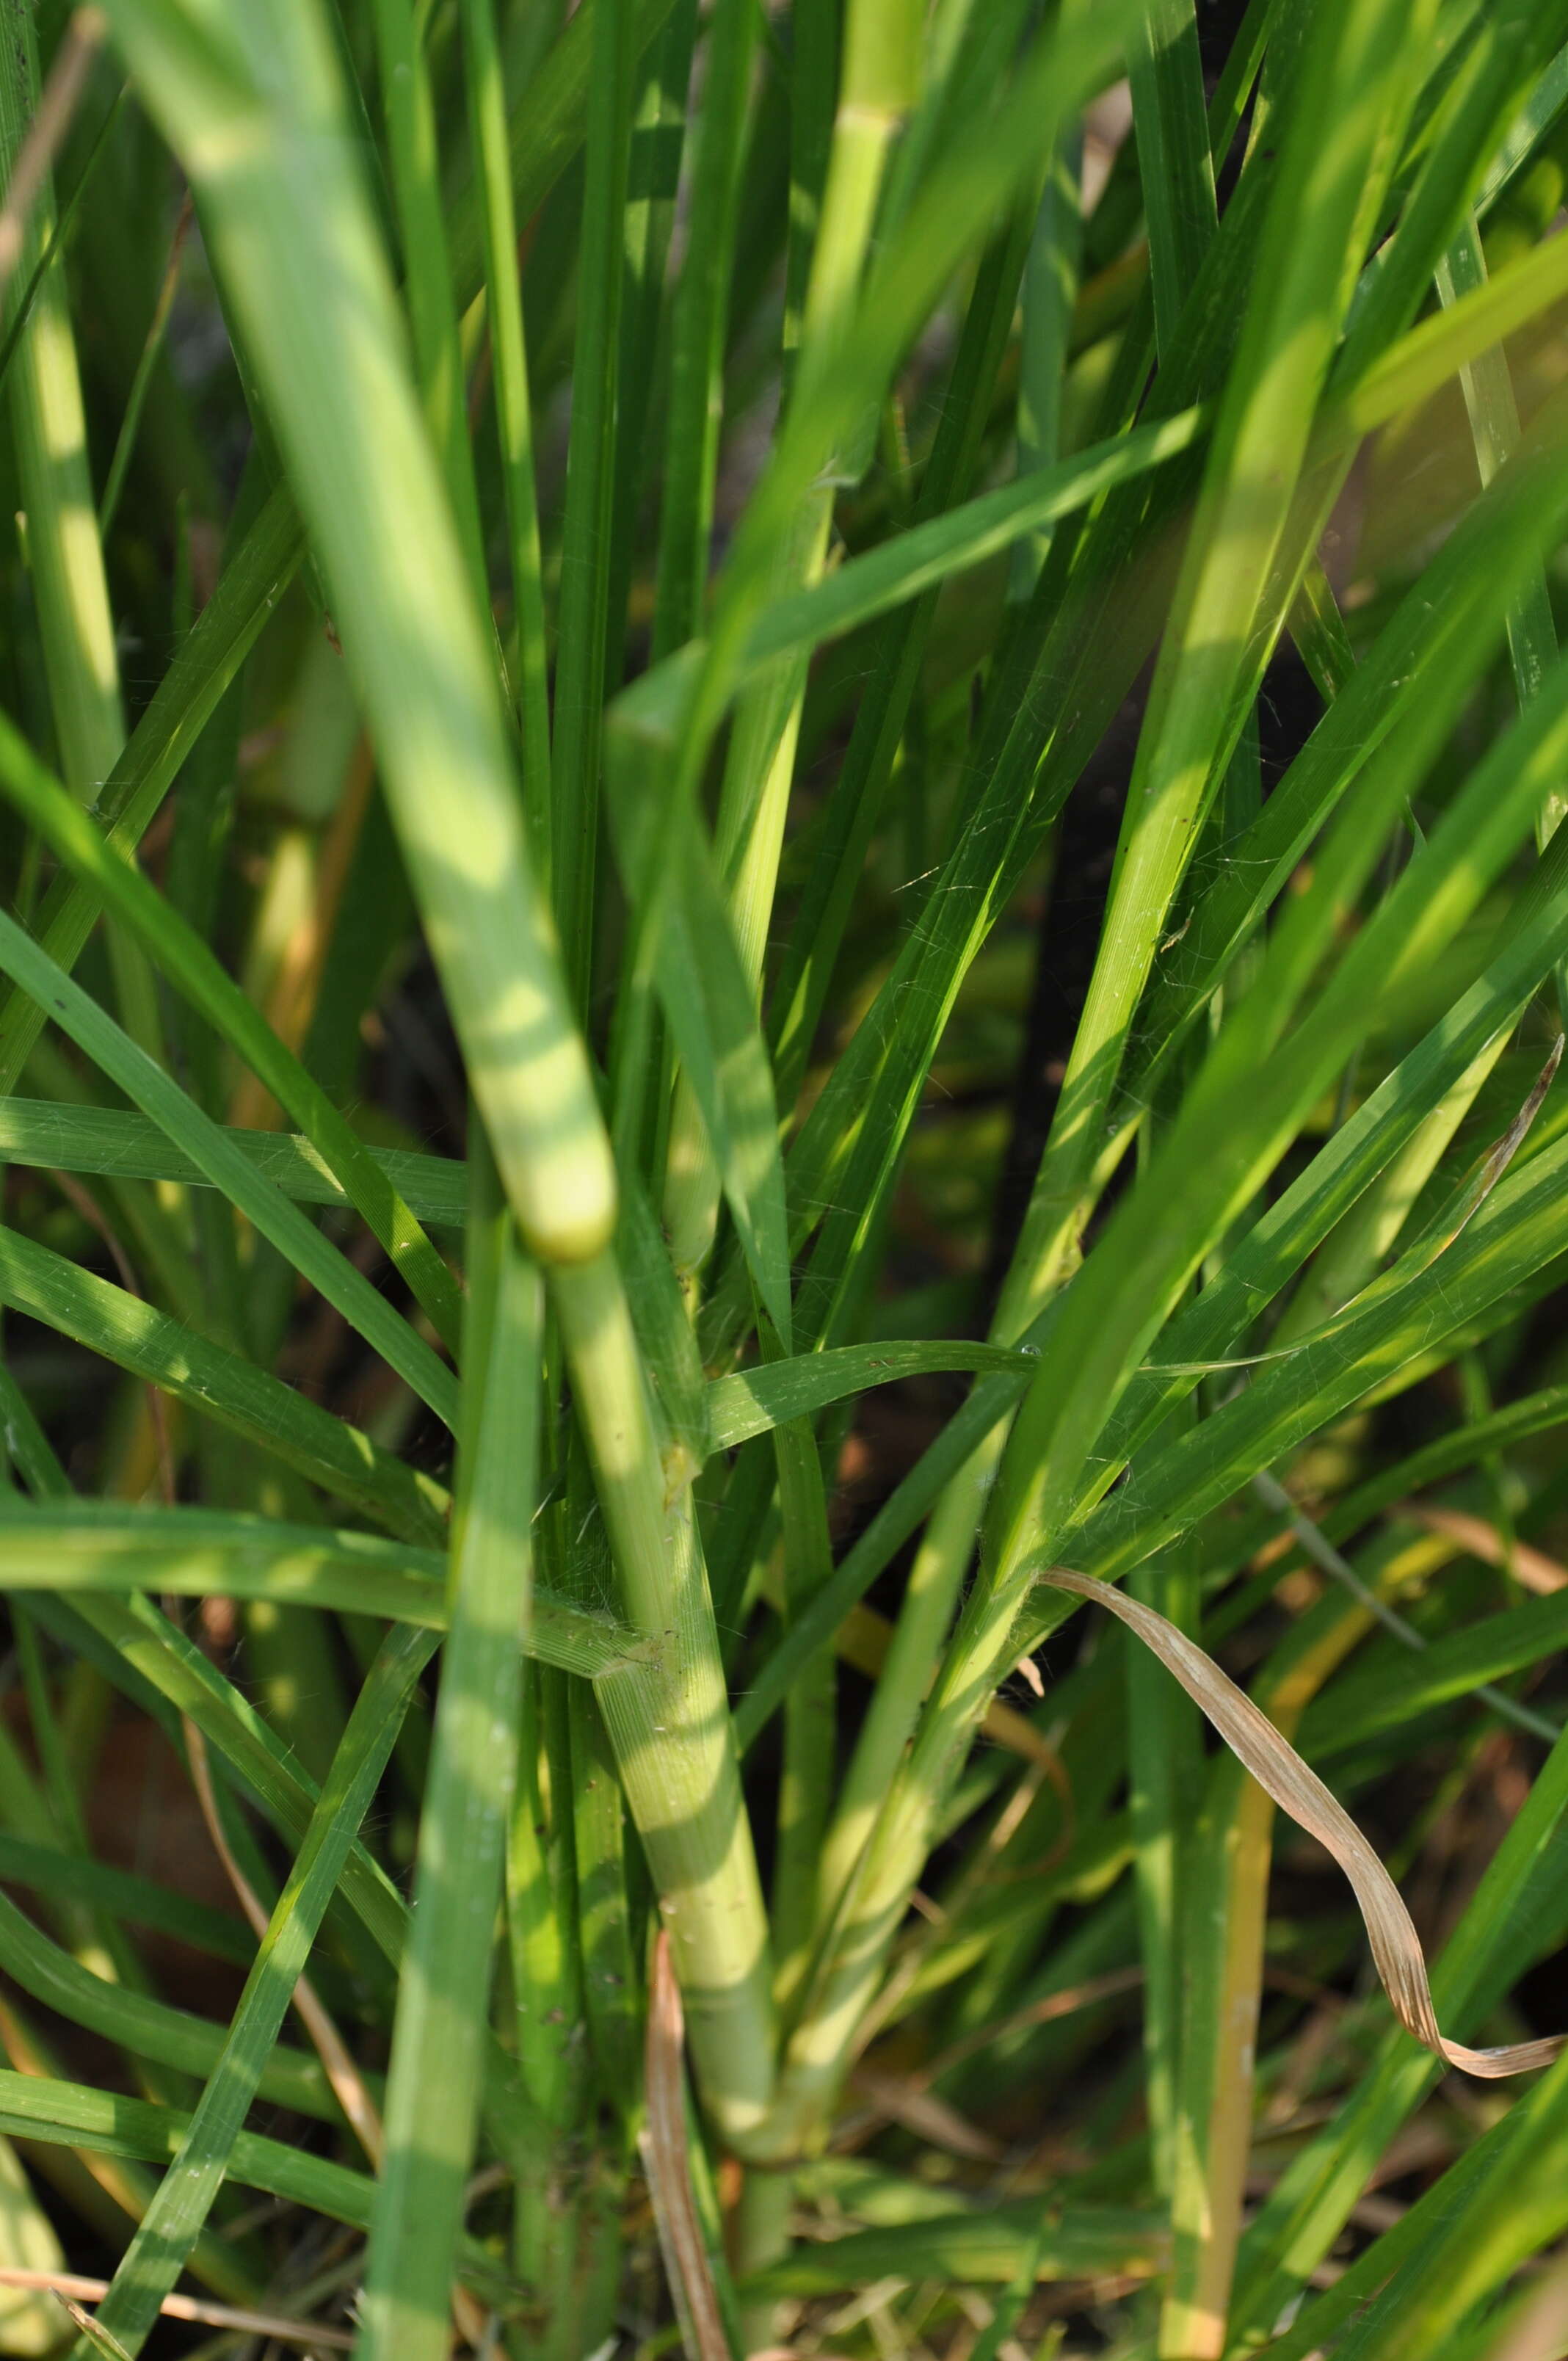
(782, 956)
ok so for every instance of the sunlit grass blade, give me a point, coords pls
(156, 2254)
(176, 948)
(276, 1216)
(147, 2026)
(141, 776)
(432, 703)
(219, 1385)
(437, 2060)
(92, 1546)
(118, 1144)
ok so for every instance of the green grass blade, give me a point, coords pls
(277, 1218)
(183, 704)
(1491, 79)
(95, 1546)
(1196, 703)
(156, 2254)
(1174, 166)
(1463, 852)
(37, 2107)
(49, 432)
(544, 133)
(668, 1717)
(688, 940)
(1502, 2217)
(775, 1392)
(973, 2249)
(118, 1145)
(698, 319)
(175, 947)
(121, 1893)
(402, 598)
(1495, 428)
(1512, 1237)
(801, 989)
(488, 128)
(409, 104)
(145, 2027)
(912, 562)
(1050, 285)
(590, 481)
(219, 1385)
(1303, 2215)
(1379, 1699)
(1528, 127)
(438, 2056)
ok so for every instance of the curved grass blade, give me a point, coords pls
(156, 2254)
(121, 1893)
(86, 1545)
(297, 1238)
(438, 2053)
(220, 1385)
(174, 947)
(145, 2027)
(910, 562)
(34, 2106)
(1277, 1768)
(71, 2115)
(111, 1141)
(753, 1400)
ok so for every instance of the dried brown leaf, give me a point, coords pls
(1280, 1772)
(668, 2167)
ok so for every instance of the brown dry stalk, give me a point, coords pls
(1531, 1567)
(664, 2158)
(348, 2083)
(903, 2099)
(1056, 2005)
(1280, 1769)
(74, 2290)
(56, 105)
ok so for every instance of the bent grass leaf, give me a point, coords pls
(1277, 1768)
(220, 1385)
(122, 1146)
(193, 1552)
(1417, 1259)
(277, 1218)
(753, 1400)
(155, 2256)
(179, 951)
